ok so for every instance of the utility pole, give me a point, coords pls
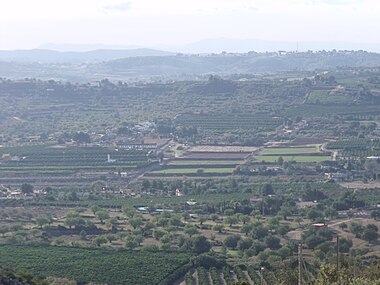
(261, 276)
(337, 260)
(300, 264)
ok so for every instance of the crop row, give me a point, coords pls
(360, 153)
(42, 149)
(351, 144)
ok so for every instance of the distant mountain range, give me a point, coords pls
(52, 56)
(245, 45)
(72, 53)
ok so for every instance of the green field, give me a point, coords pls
(204, 162)
(325, 97)
(289, 150)
(194, 170)
(93, 265)
(303, 158)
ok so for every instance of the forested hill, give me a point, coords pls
(242, 63)
(191, 66)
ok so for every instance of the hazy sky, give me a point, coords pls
(30, 23)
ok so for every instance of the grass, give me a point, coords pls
(194, 170)
(289, 150)
(303, 158)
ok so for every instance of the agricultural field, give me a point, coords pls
(298, 158)
(185, 162)
(212, 148)
(303, 154)
(216, 155)
(290, 150)
(199, 171)
(221, 276)
(225, 122)
(60, 164)
(356, 147)
(204, 160)
(93, 265)
(14, 158)
(328, 97)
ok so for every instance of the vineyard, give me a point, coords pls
(223, 276)
(225, 122)
(94, 265)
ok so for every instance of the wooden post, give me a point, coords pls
(300, 264)
(337, 260)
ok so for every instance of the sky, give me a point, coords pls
(26, 24)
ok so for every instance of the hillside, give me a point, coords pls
(146, 64)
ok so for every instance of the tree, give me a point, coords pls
(232, 241)
(244, 244)
(280, 161)
(175, 221)
(259, 231)
(145, 184)
(246, 228)
(95, 208)
(345, 245)
(139, 239)
(229, 212)
(99, 240)
(41, 221)
(112, 224)
(272, 242)
(158, 234)
(372, 227)
(201, 244)
(284, 252)
(136, 222)
(75, 222)
(83, 235)
(202, 219)
(166, 241)
(218, 228)
(375, 214)
(129, 211)
(27, 188)
(102, 215)
(267, 189)
(244, 219)
(148, 227)
(314, 215)
(343, 226)
(356, 229)
(231, 220)
(370, 235)
(130, 243)
(190, 230)
(285, 212)
(3, 230)
(298, 220)
(331, 213)
(82, 137)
